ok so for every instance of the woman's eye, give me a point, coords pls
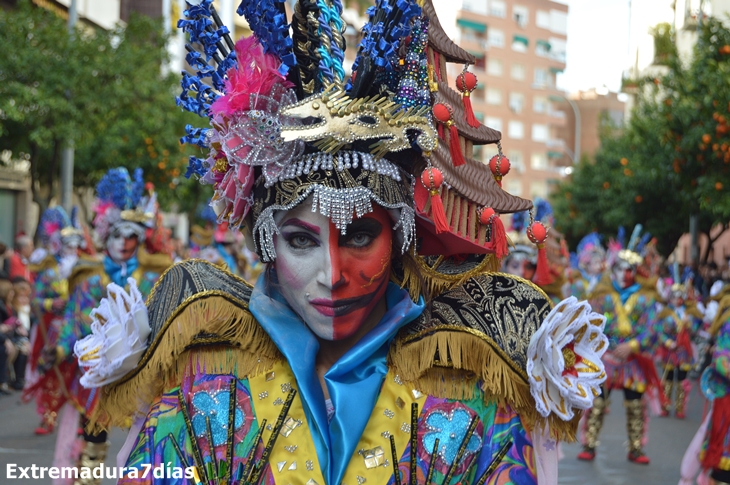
(360, 240)
(301, 241)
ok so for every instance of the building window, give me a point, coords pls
(520, 43)
(520, 15)
(539, 161)
(542, 19)
(516, 160)
(472, 26)
(494, 67)
(495, 38)
(538, 188)
(539, 104)
(493, 123)
(513, 186)
(478, 152)
(559, 22)
(516, 102)
(497, 9)
(541, 77)
(517, 72)
(516, 130)
(494, 96)
(557, 49)
(479, 92)
(477, 6)
(542, 48)
(539, 132)
(481, 61)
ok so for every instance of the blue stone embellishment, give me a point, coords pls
(216, 408)
(450, 430)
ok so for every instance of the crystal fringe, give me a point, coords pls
(338, 205)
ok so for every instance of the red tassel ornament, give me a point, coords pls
(498, 235)
(445, 114)
(537, 233)
(432, 179)
(499, 165)
(466, 82)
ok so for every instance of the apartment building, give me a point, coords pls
(520, 48)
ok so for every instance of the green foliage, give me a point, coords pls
(671, 160)
(104, 90)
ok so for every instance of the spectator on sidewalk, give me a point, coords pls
(19, 260)
(6, 345)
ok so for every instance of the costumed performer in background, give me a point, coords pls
(62, 237)
(630, 311)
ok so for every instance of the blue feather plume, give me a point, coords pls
(267, 19)
(642, 242)
(117, 187)
(634, 239)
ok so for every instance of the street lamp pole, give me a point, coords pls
(67, 155)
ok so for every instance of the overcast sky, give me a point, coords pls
(597, 50)
(598, 40)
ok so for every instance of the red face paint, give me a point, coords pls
(333, 281)
(360, 272)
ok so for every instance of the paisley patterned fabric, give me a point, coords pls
(502, 308)
(188, 278)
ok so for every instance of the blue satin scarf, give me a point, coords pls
(354, 382)
(625, 293)
(119, 272)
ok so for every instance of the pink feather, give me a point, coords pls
(256, 73)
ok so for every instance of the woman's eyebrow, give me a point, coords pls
(366, 224)
(300, 223)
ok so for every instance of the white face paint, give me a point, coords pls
(333, 282)
(623, 274)
(595, 265)
(121, 248)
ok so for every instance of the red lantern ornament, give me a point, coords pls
(466, 82)
(444, 114)
(537, 233)
(498, 237)
(499, 165)
(432, 179)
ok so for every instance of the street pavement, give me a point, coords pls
(668, 439)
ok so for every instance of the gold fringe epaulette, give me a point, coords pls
(199, 316)
(722, 315)
(153, 263)
(433, 275)
(85, 268)
(48, 262)
(474, 339)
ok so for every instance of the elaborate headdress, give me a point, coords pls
(121, 203)
(631, 252)
(286, 124)
(57, 229)
(588, 248)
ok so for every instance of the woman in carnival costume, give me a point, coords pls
(678, 324)
(630, 310)
(62, 237)
(333, 368)
(709, 451)
(590, 262)
(124, 216)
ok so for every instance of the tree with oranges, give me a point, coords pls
(672, 159)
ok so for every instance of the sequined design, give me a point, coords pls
(340, 195)
(501, 309)
(450, 430)
(214, 407)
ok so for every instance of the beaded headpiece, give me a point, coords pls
(288, 124)
(631, 253)
(57, 229)
(121, 204)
